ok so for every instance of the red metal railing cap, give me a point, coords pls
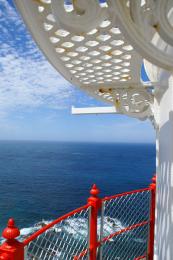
(11, 231)
(94, 190)
(154, 179)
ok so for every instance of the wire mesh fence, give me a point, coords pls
(124, 230)
(125, 246)
(65, 240)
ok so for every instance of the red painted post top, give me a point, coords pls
(94, 200)
(11, 249)
(153, 184)
(11, 231)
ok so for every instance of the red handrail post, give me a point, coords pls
(152, 218)
(11, 249)
(95, 203)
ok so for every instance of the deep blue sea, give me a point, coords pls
(43, 180)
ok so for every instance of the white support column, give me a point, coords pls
(164, 213)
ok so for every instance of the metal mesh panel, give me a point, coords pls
(126, 246)
(120, 213)
(125, 211)
(64, 240)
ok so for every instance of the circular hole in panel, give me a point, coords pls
(51, 18)
(83, 79)
(69, 65)
(116, 60)
(117, 42)
(77, 76)
(86, 82)
(116, 73)
(88, 65)
(123, 79)
(125, 70)
(60, 50)
(117, 67)
(107, 70)
(54, 39)
(73, 71)
(41, 9)
(108, 76)
(127, 57)
(99, 73)
(105, 48)
(72, 54)
(91, 76)
(68, 44)
(103, 37)
(93, 80)
(117, 52)
(100, 78)
(79, 68)
(116, 78)
(68, 6)
(65, 58)
(106, 57)
(62, 33)
(78, 38)
(105, 24)
(92, 32)
(82, 74)
(76, 62)
(89, 71)
(98, 67)
(47, 26)
(126, 64)
(82, 49)
(85, 58)
(115, 30)
(92, 43)
(128, 48)
(107, 64)
(126, 76)
(96, 61)
(94, 53)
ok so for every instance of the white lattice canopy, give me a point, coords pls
(100, 46)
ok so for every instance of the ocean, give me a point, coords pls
(44, 180)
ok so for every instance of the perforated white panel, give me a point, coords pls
(98, 59)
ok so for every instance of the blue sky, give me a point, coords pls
(35, 101)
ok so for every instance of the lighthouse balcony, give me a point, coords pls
(118, 227)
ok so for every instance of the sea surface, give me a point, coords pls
(43, 180)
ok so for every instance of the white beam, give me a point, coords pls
(93, 110)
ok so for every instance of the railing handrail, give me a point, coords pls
(56, 221)
(125, 193)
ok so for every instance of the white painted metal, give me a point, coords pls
(93, 110)
(164, 219)
(87, 46)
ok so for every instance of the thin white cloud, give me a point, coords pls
(26, 79)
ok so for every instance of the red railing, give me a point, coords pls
(96, 243)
